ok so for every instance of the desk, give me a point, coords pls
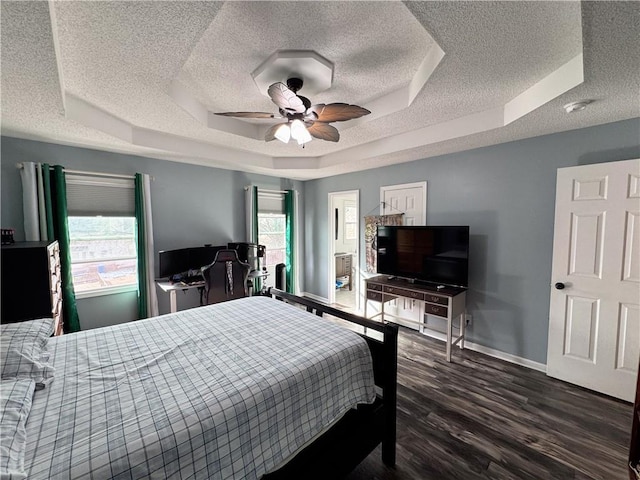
(447, 303)
(172, 288)
(255, 281)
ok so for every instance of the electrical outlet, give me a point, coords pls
(467, 319)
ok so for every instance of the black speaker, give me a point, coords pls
(281, 276)
(247, 253)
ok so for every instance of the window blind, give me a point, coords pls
(270, 202)
(90, 196)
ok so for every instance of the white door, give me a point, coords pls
(594, 321)
(410, 199)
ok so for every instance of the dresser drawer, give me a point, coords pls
(431, 298)
(57, 314)
(374, 286)
(56, 304)
(377, 296)
(57, 325)
(437, 310)
(54, 255)
(414, 295)
(403, 292)
(54, 282)
(57, 290)
(53, 263)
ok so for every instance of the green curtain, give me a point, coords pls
(48, 207)
(141, 242)
(289, 203)
(55, 190)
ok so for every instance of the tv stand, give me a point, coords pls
(442, 301)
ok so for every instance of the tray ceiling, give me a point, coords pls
(147, 77)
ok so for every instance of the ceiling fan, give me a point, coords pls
(303, 120)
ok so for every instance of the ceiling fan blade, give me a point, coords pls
(338, 112)
(324, 131)
(285, 99)
(271, 133)
(248, 114)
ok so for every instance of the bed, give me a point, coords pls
(251, 388)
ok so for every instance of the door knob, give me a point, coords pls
(559, 285)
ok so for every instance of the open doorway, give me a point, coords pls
(344, 250)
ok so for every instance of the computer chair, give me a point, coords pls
(226, 278)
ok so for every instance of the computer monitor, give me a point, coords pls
(176, 262)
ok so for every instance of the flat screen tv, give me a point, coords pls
(432, 254)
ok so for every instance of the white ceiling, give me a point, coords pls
(439, 77)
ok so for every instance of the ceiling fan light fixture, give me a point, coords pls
(303, 120)
(283, 133)
(299, 132)
(304, 138)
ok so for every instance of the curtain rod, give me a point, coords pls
(265, 190)
(97, 174)
(384, 204)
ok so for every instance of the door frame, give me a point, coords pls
(331, 267)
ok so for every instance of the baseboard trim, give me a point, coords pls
(492, 352)
(507, 357)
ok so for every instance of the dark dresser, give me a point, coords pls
(31, 283)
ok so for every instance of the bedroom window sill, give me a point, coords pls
(106, 291)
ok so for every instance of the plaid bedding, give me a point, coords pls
(225, 391)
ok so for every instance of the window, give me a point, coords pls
(102, 233)
(272, 226)
(103, 253)
(271, 234)
(350, 222)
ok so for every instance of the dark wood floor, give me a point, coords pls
(479, 417)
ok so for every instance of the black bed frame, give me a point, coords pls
(341, 448)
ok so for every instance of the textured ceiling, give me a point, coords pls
(439, 77)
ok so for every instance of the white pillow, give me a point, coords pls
(16, 397)
(23, 350)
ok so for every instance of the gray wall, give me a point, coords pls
(506, 194)
(192, 206)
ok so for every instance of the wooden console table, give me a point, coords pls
(448, 303)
